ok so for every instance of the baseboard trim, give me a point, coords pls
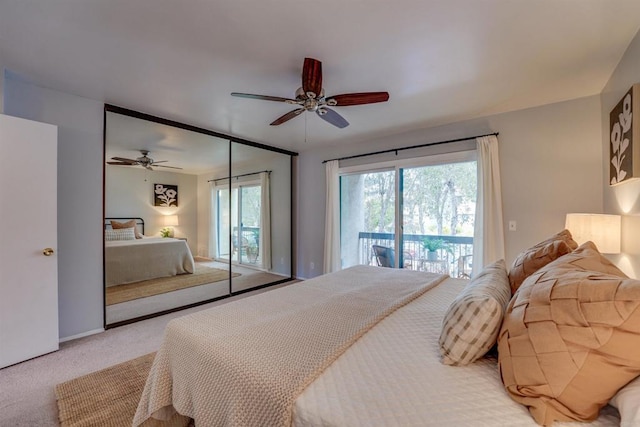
(81, 335)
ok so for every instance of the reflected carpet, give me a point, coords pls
(146, 288)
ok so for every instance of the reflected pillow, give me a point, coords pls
(129, 224)
(119, 234)
(536, 257)
(472, 322)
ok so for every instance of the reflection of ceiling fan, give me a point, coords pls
(310, 97)
(143, 161)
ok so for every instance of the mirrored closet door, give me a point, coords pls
(190, 215)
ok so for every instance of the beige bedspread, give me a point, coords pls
(131, 261)
(245, 362)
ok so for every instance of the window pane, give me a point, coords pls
(438, 217)
(367, 218)
(250, 225)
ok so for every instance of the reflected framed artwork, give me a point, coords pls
(165, 195)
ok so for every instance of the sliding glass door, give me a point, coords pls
(417, 214)
(247, 229)
(438, 215)
(239, 210)
(367, 218)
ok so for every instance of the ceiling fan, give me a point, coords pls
(143, 161)
(310, 97)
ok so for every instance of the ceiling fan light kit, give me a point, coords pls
(310, 97)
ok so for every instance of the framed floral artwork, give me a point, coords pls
(165, 195)
(624, 138)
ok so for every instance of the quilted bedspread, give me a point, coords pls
(245, 362)
(131, 261)
(393, 377)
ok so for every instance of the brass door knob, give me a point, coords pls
(47, 251)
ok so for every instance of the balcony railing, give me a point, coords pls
(454, 260)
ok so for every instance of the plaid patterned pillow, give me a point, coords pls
(119, 234)
(472, 322)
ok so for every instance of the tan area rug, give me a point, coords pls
(202, 275)
(108, 397)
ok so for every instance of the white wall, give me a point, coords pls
(624, 198)
(80, 198)
(550, 159)
(80, 156)
(129, 193)
(1, 86)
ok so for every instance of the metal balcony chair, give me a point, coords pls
(385, 257)
(464, 266)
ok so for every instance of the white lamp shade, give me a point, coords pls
(601, 229)
(171, 220)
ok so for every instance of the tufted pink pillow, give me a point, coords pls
(570, 337)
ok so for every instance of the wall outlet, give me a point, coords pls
(512, 225)
(282, 261)
(312, 265)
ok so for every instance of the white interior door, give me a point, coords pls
(28, 213)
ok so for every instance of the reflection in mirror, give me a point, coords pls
(258, 195)
(179, 229)
(156, 175)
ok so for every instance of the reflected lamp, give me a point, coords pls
(170, 221)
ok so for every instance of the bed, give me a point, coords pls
(144, 258)
(227, 366)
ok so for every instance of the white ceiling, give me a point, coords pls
(441, 60)
(195, 153)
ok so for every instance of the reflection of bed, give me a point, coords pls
(147, 258)
(390, 374)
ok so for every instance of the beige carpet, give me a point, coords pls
(202, 275)
(108, 397)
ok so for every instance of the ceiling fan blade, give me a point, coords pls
(262, 97)
(159, 161)
(286, 117)
(125, 160)
(121, 163)
(312, 76)
(332, 117)
(359, 98)
(163, 166)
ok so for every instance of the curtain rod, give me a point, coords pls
(237, 176)
(395, 150)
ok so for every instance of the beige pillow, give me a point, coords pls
(536, 257)
(570, 337)
(472, 322)
(129, 224)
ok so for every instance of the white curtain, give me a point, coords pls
(332, 218)
(488, 236)
(265, 221)
(213, 222)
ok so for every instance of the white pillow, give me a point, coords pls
(627, 400)
(120, 234)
